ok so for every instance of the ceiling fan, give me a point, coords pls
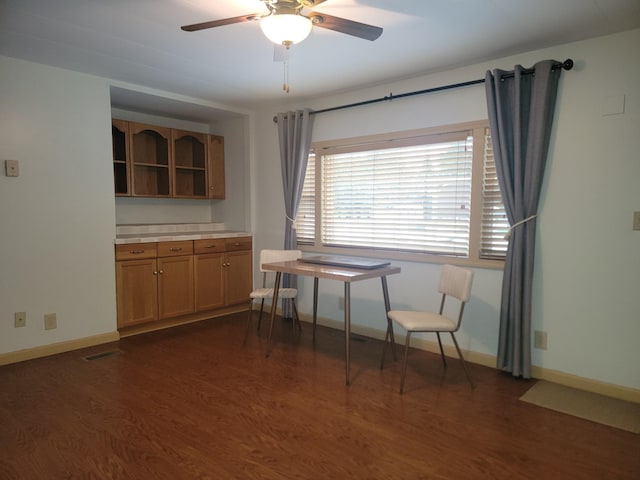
(285, 24)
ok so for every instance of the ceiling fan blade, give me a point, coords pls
(219, 23)
(342, 25)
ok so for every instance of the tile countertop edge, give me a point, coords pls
(175, 236)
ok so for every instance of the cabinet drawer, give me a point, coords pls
(210, 245)
(133, 251)
(172, 249)
(238, 243)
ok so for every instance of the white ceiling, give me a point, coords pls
(140, 41)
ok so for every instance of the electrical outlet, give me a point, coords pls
(11, 168)
(540, 339)
(50, 321)
(19, 319)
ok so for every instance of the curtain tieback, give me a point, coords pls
(508, 234)
(292, 220)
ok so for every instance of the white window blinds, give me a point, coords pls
(306, 217)
(494, 219)
(413, 198)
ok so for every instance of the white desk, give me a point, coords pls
(346, 275)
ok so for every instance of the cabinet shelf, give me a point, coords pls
(191, 169)
(150, 165)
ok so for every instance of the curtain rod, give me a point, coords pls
(566, 65)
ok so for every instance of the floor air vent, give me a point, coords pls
(98, 356)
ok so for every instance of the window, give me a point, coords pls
(407, 195)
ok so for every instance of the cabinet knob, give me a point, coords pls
(175, 249)
(210, 246)
(210, 188)
(161, 272)
(136, 252)
(155, 272)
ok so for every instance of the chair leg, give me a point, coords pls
(246, 333)
(260, 317)
(296, 318)
(464, 365)
(295, 321)
(441, 350)
(404, 362)
(384, 348)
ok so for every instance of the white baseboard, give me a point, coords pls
(54, 348)
(540, 373)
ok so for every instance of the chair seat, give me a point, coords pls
(268, 293)
(422, 321)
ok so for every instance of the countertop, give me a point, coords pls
(173, 232)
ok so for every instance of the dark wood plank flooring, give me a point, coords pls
(191, 403)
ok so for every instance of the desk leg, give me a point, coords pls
(347, 328)
(315, 307)
(276, 290)
(387, 307)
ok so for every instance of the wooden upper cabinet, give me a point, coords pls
(216, 167)
(190, 152)
(121, 166)
(153, 161)
(150, 160)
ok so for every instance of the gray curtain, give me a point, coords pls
(521, 105)
(294, 135)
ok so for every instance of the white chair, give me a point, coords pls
(455, 282)
(266, 292)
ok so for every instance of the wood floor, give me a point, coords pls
(191, 403)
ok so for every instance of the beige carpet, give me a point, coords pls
(590, 406)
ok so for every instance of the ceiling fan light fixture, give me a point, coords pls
(286, 29)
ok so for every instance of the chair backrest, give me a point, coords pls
(456, 282)
(272, 256)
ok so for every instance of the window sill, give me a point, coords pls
(405, 257)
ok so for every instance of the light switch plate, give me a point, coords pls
(12, 168)
(636, 220)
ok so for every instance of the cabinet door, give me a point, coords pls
(175, 286)
(209, 281)
(189, 164)
(120, 147)
(239, 276)
(137, 291)
(150, 160)
(216, 167)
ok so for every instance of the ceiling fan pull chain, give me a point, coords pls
(285, 85)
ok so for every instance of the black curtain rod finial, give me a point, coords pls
(567, 64)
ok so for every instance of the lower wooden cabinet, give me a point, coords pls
(239, 277)
(175, 286)
(209, 275)
(173, 280)
(137, 291)
(224, 278)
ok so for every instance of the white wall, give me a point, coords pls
(57, 217)
(587, 272)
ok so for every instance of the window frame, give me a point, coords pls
(478, 129)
